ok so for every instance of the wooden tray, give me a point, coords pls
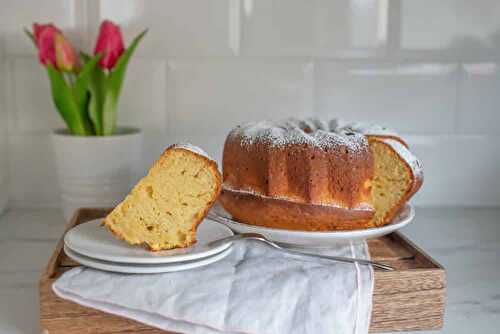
(411, 298)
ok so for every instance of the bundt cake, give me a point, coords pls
(163, 210)
(314, 175)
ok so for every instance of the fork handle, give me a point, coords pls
(340, 259)
(262, 239)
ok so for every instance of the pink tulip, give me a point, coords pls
(39, 28)
(109, 44)
(45, 41)
(66, 57)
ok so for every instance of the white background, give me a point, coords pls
(427, 68)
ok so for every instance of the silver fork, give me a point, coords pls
(263, 239)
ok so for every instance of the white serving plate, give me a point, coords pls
(314, 239)
(128, 268)
(95, 241)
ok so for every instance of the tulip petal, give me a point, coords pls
(45, 40)
(110, 44)
(66, 57)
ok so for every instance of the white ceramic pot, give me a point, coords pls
(96, 171)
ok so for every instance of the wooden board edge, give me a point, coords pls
(417, 324)
(401, 238)
(387, 283)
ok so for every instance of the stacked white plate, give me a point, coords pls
(92, 245)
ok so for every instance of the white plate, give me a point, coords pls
(314, 239)
(95, 241)
(143, 268)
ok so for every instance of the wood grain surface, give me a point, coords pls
(410, 298)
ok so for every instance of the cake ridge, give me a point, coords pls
(312, 174)
(228, 187)
(292, 131)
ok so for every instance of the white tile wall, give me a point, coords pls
(307, 28)
(209, 97)
(458, 169)
(478, 107)
(468, 26)
(3, 131)
(31, 106)
(269, 30)
(142, 102)
(32, 179)
(413, 97)
(427, 68)
(427, 24)
(16, 14)
(176, 27)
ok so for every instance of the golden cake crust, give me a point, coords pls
(298, 166)
(208, 163)
(282, 214)
(307, 174)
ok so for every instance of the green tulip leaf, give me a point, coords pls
(85, 57)
(83, 79)
(83, 92)
(97, 89)
(88, 106)
(114, 82)
(66, 104)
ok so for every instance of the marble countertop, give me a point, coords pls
(465, 241)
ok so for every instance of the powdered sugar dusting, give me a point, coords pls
(291, 131)
(411, 160)
(193, 148)
(370, 129)
(318, 133)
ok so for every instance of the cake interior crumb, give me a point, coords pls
(163, 207)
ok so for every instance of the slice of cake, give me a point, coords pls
(163, 210)
(397, 176)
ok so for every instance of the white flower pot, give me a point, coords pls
(96, 171)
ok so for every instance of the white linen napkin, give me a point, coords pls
(255, 289)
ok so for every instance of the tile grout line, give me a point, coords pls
(458, 79)
(394, 28)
